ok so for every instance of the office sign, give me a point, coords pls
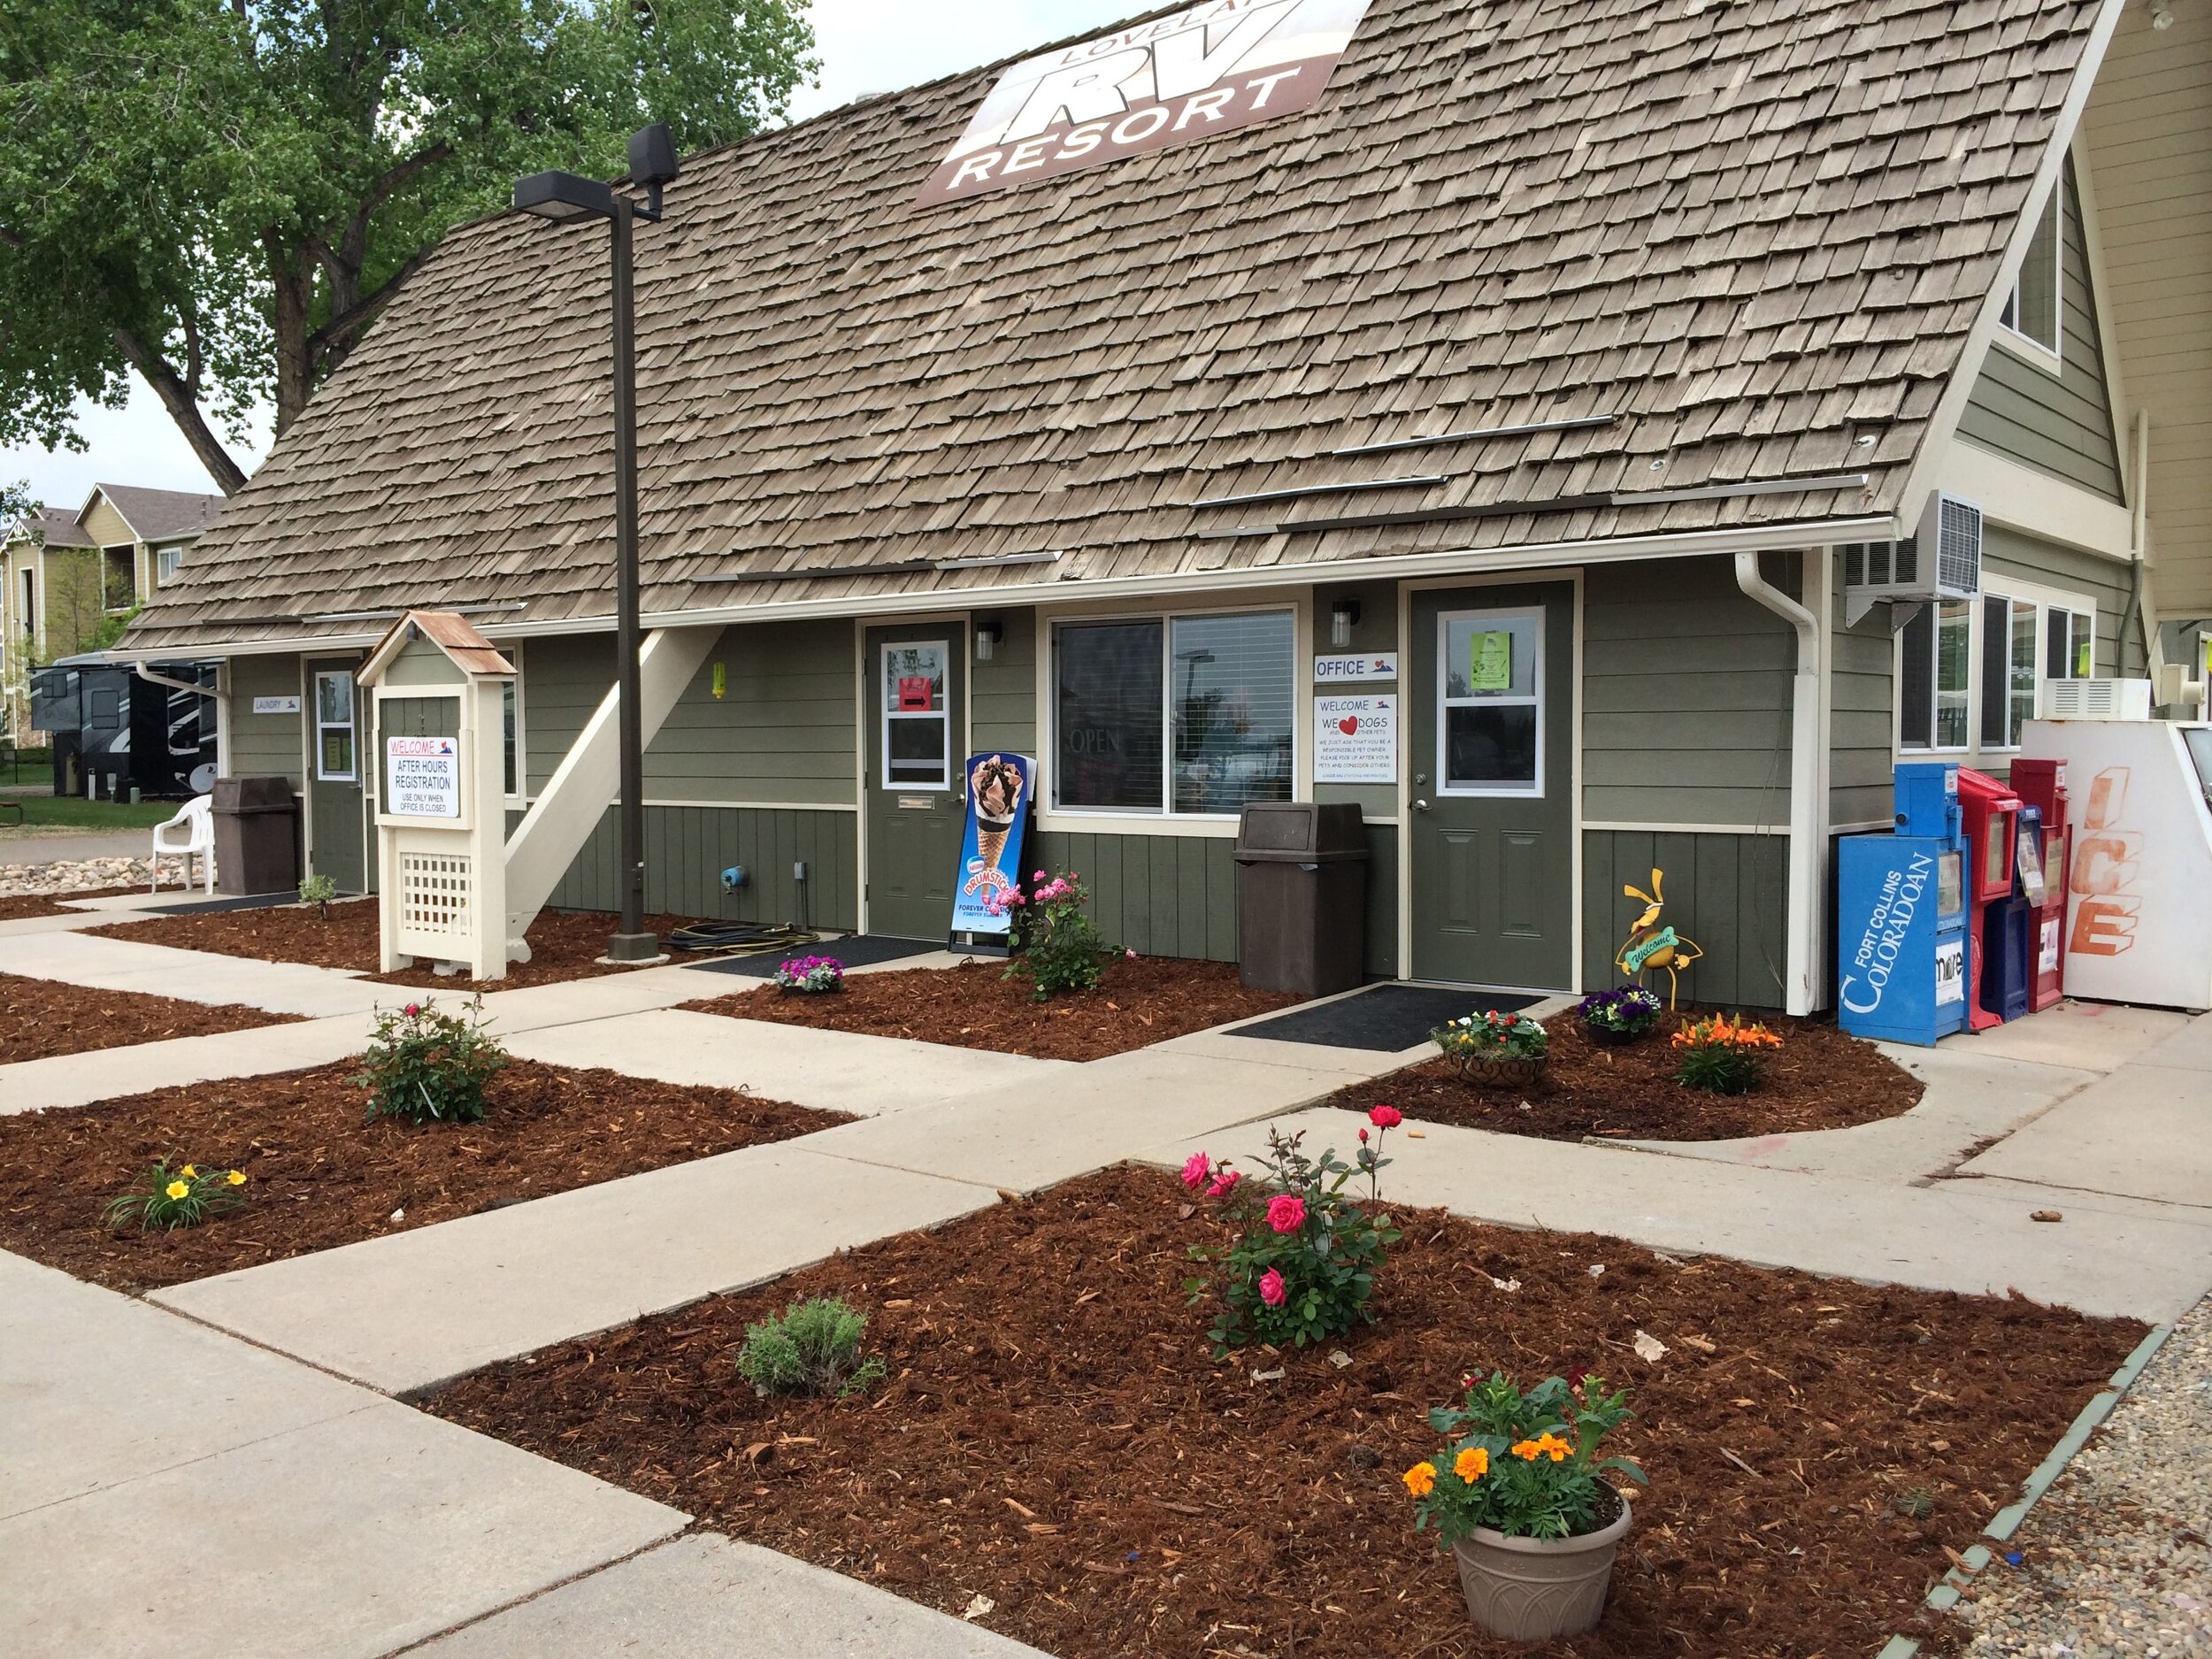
(1204, 70)
(422, 777)
(1337, 671)
(1355, 740)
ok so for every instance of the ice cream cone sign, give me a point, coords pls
(1651, 946)
(998, 794)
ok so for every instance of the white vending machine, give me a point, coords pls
(2139, 895)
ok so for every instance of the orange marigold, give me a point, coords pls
(1471, 1464)
(1420, 1479)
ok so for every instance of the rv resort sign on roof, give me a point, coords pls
(1226, 63)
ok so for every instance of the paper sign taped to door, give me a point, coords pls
(914, 694)
(1490, 662)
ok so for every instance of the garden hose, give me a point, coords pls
(734, 939)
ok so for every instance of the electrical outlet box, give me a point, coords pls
(798, 870)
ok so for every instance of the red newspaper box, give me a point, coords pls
(2041, 784)
(1991, 812)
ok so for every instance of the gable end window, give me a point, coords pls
(118, 578)
(2031, 310)
(168, 562)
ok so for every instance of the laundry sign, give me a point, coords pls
(1204, 70)
(422, 777)
(1355, 740)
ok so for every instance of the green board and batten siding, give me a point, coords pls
(686, 849)
(2060, 423)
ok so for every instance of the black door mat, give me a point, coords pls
(1383, 1018)
(857, 950)
(208, 907)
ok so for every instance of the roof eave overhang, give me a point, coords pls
(1371, 567)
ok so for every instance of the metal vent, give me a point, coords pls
(1958, 545)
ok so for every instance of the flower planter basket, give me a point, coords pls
(1501, 1071)
(1604, 1036)
(1537, 1589)
(811, 990)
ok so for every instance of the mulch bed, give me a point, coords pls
(564, 944)
(1055, 1436)
(15, 907)
(973, 1005)
(1818, 1078)
(43, 1018)
(319, 1174)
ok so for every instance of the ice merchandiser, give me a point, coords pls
(2138, 876)
(1900, 935)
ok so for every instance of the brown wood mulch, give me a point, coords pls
(1056, 1437)
(16, 906)
(319, 1174)
(1818, 1078)
(973, 1005)
(564, 944)
(43, 1018)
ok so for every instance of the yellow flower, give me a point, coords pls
(237, 1177)
(191, 1174)
(177, 1189)
(1528, 1449)
(1471, 1464)
(1551, 1444)
(1420, 1479)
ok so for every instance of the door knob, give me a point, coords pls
(1420, 806)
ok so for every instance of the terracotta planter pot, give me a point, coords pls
(1612, 1036)
(1534, 1589)
(1498, 1071)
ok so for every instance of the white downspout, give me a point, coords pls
(1808, 859)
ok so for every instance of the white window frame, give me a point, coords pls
(1535, 789)
(1164, 813)
(2052, 358)
(2038, 613)
(1935, 608)
(351, 725)
(519, 796)
(884, 714)
(2043, 601)
(168, 562)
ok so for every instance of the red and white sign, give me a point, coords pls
(1355, 740)
(422, 777)
(1223, 65)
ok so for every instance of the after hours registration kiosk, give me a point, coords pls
(440, 692)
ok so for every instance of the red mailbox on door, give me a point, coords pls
(2041, 784)
(1991, 812)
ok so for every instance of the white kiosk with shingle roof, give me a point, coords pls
(438, 689)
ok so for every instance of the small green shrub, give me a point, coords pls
(318, 891)
(811, 1348)
(184, 1197)
(429, 1066)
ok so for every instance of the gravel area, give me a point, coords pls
(2115, 1561)
(84, 875)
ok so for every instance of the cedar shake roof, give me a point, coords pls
(162, 515)
(1749, 233)
(456, 636)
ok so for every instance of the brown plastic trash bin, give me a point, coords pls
(1301, 897)
(256, 835)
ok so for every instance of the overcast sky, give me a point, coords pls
(866, 47)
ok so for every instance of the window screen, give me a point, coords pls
(1232, 711)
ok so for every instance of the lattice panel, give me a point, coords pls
(437, 894)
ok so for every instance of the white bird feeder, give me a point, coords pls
(439, 721)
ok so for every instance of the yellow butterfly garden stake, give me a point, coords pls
(1652, 946)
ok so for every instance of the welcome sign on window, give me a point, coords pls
(1203, 71)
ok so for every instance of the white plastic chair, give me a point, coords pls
(194, 819)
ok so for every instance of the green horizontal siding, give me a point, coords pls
(686, 849)
(2008, 553)
(1726, 893)
(265, 745)
(1862, 713)
(1002, 693)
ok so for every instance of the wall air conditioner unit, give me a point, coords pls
(1942, 561)
(2177, 689)
(2096, 699)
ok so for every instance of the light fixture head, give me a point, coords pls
(2162, 18)
(988, 632)
(652, 155)
(1343, 618)
(563, 197)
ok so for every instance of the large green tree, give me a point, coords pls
(222, 194)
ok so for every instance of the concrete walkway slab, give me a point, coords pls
(89, 959)
(411, 1309)
(2085, 1036)
(707, 1597)
(174, 1491)
(834, 1071)
(2146, 1132)
(1946, 1237)
(79, 1080)
(2189, 1049)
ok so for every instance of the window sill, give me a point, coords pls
(2029, 350)
(1077, 821)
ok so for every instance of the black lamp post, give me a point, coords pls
(565, 199)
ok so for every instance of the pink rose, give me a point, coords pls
(1363, 1137)
(1271, 1291)
(1040, 876)
(1285, 1213)
(412, 1010)
(1225, 1182)
(1195, 1169)
(1130, 955)
(1386, 1117)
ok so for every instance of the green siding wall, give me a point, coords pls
(1375, 631)
(2007, 552)
(2059, 424)
(686, 849)
(265, 745)
(1862, 713)
(562, 680)
(1002, 693)
(420, 663)
(1687, 694)
(1727, 892)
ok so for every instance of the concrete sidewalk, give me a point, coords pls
(167, 1489)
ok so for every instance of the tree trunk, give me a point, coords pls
(294, 356)
(176, 397)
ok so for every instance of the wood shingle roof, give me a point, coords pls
(1755, 233)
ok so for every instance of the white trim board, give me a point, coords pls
(1686, 829)
(2035, 504)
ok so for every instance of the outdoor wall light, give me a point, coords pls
(2162, 20)
(988, 632)
(1343, 618)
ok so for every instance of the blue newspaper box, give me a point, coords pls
(1901, 934)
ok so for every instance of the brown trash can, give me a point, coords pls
(1302, 898)
(257, 836)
